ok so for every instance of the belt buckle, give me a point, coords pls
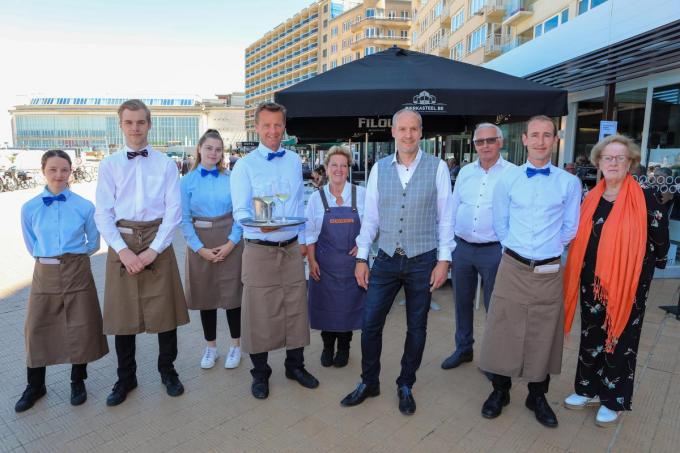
(400, 251)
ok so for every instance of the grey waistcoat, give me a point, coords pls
(408, 217)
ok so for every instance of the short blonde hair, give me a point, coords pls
(342, 150)
(632, 148)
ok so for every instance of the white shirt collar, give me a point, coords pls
(417, 159)
(263, 150)
(499, 163)
(548, 165)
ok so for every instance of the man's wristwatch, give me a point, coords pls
(361, 260)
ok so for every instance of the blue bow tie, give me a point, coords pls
(271, 156)
(49, 200)
(132, 154)
(213, 172)
(531, 172)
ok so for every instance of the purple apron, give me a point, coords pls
(336, 302)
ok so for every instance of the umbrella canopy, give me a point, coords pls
(361, 97)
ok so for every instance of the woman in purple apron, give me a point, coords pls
(334, 216)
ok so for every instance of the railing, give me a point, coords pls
(509, 42)
(493, 44)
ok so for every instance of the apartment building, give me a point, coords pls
(326, 34)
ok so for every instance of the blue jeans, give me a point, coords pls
(468, 261)
(388, 275)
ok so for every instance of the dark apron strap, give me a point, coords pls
(324, 200)
(354, 198)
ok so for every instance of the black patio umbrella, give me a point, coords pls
(360, 97)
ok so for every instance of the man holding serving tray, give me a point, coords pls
(274, 304)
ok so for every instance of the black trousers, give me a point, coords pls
(295, 358)
(209, 323)
(36, 376)
(343, 338)
(503, 383)
(167, 353)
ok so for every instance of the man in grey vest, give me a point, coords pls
(408, 202)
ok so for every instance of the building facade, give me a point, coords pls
(326, 34)
(92, 123)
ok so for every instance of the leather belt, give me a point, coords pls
(477, 244)
(272, 244)
(400, 251)
(528, 262)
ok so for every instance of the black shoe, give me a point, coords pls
(120, 391)
(260, 388)
(494, 404)
(172, 385)
(456, 359)
(303, 377)
(542, 410)
(359, 395)
(78, 393)
(327, 357)
(29, 397)
(407, 405)
(341, 358)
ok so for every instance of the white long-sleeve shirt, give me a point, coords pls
(538, 216)
(315, 210)
(370, 222)
(140, 190)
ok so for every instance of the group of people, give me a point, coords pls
(508, 224)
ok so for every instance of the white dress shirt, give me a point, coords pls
(370, 222)
(472, 200)
(315, 210)
(538, 216)
(255, 168)
(140, 190)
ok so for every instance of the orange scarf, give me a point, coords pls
(619, 257)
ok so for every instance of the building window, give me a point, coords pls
(370, 12)
(334, 48)
(585, 5)
(334, 64)
(334, 31)
(404, 34)
(323, 67)
(457, 51)
(552, 23)
(324, 39)
(404, 15)
(324, 53)
(391, 14)
(325, 23)
(370, 32)
(369, 51)
(458, 20)
(477, 38)
(476, 6)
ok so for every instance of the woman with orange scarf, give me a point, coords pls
(622, 237)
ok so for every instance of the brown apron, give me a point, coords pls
(151, 301)
(523, 333)
(274, 306)
(64, 321)
(207, 285)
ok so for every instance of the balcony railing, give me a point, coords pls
(509, 42)
(515, 10)
(493, 44)
(492, 9)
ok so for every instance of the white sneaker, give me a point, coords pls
(209, 358)
(577, 402)
(233, 358)
(606, 417)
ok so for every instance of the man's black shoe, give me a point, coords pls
(341, 358)
(359, 395)
(303, 377)
(542, 410)
(456, 359)
(260, 388)
(494, 404)
(172, 385)
(326, 357)
(120, 391)
(29, 397)
(78, 393)
(407, 405)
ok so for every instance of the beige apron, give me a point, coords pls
(63, 321)
(274, 305)
(207, 285)
(523, 333)
(151, 301)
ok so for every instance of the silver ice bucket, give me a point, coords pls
(262, 211)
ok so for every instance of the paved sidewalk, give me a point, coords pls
(217, 412)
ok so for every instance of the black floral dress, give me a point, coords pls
(611, 376)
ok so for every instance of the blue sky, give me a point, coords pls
(125, 47)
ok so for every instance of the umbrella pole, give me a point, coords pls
(366, 160)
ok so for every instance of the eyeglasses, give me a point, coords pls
(618, 159)
(482, 141)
